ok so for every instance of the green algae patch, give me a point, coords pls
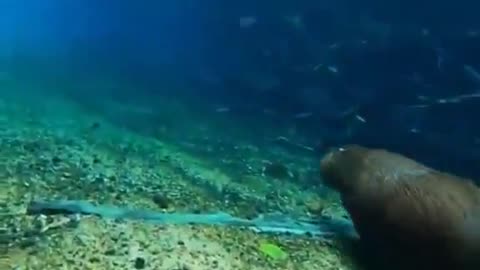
(272, 251)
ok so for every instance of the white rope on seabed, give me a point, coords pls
(270, 223)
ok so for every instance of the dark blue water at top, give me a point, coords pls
(392, 74)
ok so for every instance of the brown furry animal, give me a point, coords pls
(430, 217)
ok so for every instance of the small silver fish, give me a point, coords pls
(360, 118)
(247, 21)
(222, 110)
(302, 115)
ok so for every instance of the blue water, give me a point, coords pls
(246, 85)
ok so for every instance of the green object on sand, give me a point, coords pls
(273, 251)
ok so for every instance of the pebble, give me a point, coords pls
(161, 200)
(139, 263)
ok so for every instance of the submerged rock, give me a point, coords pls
(277, 170)
(161, 200)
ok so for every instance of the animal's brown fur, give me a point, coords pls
(396, 202)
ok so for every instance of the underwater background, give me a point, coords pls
(187, 134)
